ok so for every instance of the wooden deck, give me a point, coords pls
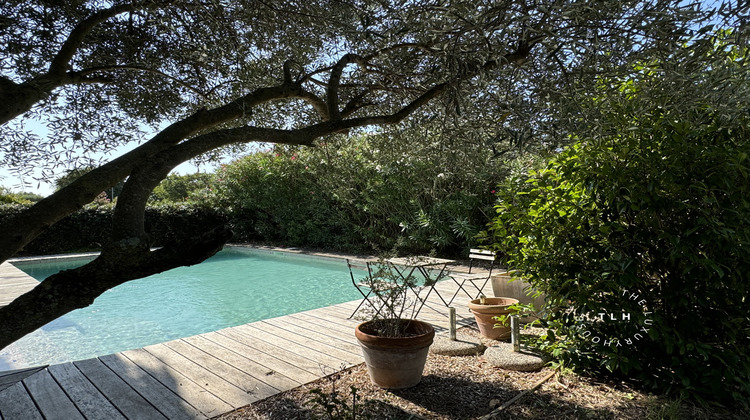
(205, 375)
(13, 283)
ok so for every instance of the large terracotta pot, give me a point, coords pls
(519, 289)
(396, 363)
(484, 314)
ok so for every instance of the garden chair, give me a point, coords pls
(363, 278)
(463, 280)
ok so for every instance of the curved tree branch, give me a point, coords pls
(23, 228)
(61, 63)
(21, 97)
(82, 76)
(27, 225)
(332, 95)
(318, 104)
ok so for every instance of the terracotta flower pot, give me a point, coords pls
(519, 289)
(396, 363)
(484, 313)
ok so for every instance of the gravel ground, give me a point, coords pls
(467, 387)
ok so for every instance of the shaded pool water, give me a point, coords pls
(234, 287)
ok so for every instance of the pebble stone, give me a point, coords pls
(502, 355)
(465, 345)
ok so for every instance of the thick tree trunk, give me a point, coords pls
(74, 289)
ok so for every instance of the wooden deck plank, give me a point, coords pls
(90, 402)
(131, 404)
(332, 337)
(161, 397)
(10, 377)
(281, 373)
(329, 323)
(328, 354)
(343, 310)
(231, 385)
(196, 395)
(50, 398)
(16, 290)
(15, 403)
(339, 314)
(303, 356)
(14, 283)
(15, 280)
(15, 277)
(235, 366)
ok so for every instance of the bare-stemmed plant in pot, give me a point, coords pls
(394, 344)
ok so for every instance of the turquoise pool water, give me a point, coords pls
(234, 287)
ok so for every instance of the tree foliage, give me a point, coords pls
(368, 194)
(192, 188)
(9, 197)
(652, 220)
(212, 75)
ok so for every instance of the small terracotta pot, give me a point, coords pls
(494, 306)
(396, 362)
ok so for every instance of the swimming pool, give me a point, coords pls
(234, 287)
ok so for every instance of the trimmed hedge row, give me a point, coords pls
(89, 228)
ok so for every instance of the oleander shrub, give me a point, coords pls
(275, 197)
(364, 193)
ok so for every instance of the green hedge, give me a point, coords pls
(89, 228)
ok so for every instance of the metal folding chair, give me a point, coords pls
(465, 279)
(431, 270)
(361, 273)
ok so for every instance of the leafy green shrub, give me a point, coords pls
(175, 222)
(8, 197)
(275, 197)
(193, 188)
(366, 193)
(84, 230)
(651, 221)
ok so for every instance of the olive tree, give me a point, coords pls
(210, 76)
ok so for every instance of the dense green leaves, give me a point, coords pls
(103, 71)
(89, 228)
(364, 194)
(9, 197)
(193, 188)
(652, 220)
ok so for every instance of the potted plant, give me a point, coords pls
(394, 345)
(486, 309)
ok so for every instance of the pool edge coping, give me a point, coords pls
(260, 248)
